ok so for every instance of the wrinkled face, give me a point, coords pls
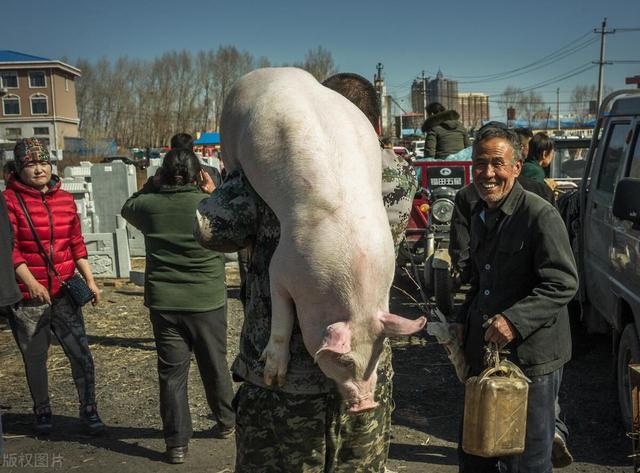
(36, 174)
(494, 170)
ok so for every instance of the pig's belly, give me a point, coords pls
(333, 270)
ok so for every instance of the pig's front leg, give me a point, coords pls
(276, 353)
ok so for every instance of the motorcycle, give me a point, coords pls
(427, 234)
(437, 270)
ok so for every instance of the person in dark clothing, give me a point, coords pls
(185, 141)
(186, 295)
(525, 134)
(466, 199)
(445, 134)
(539, 157)
(523, 275)
(9, 291)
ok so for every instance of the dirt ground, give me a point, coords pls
(427, 394)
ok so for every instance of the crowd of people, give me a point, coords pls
(508, 243)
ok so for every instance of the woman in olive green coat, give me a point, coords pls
(186, 294)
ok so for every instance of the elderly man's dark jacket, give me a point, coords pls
(466, 199)
(522, 267)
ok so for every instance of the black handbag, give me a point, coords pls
(75, 287)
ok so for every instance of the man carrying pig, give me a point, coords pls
(302, 425)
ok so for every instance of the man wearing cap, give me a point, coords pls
(523, 275)
(34, 195)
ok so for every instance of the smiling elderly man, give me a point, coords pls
(523, 277)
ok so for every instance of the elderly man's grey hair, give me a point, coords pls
(498, 130)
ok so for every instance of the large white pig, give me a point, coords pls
(315, 160)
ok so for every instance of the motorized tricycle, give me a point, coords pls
(427, 234)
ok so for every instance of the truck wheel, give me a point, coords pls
(628, 352)
(443, 290)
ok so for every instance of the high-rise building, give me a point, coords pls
(473, 109)
(444, 91)
(440, 90)
(417, 97)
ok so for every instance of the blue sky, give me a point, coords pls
(463, 38)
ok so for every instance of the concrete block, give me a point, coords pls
(108, 254)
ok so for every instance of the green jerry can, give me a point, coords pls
(495, 411)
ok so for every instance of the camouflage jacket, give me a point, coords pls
(234, 217)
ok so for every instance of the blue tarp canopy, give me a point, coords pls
(552, 124)
(412, 132)
(208, 139)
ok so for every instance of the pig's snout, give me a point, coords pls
(363, 405)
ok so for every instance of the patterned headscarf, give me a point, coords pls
(30, 150)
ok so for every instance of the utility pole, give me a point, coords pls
(603, 31)
(424, 95)
(379, 88)
(558, 109)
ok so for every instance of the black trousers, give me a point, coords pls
(32, 324)
(177, 335)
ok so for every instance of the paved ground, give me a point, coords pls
(427, 394)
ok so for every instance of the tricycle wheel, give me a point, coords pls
(628, 352)
(443, 290)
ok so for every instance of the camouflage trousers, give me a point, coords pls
(282, 432)
(32, 324)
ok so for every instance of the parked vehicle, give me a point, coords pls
(141, 163)
(417, 149)
(401, 151)
(427, 233)
(605, 230)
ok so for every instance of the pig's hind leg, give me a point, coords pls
(276, 354)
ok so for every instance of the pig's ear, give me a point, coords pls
(337, 340)
(395, 325)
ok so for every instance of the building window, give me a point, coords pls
(11, 105)
(13, 133)
(9, 80)
(39, 104)
(41, 130)
(37, 79)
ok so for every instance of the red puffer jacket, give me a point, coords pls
(56, 221)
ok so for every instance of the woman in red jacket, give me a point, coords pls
(45, 308)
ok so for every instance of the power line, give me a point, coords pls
(560, 78)
(560, 50)
(551, 58)
(538, 67)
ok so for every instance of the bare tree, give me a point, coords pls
(531, 106)
(142, 103)
(581, 96)
(319, 63)
(527, 105)
(510, 98)
(228, 66)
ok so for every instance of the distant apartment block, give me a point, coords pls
(441, 90)
(473, 109)
(444, 91)
(417, 96)
(38, 98)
